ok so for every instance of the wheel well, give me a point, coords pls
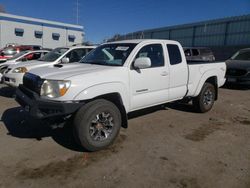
(117, 100)
(213, 81)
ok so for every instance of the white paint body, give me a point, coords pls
(138, 90)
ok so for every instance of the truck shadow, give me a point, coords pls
(180, 106)
(19, 124)
(146, 111)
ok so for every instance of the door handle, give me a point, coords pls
(164, 73)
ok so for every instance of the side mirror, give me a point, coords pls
(65, 60)
(142, 63)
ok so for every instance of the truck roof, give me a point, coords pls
(137, 41)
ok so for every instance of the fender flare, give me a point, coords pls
(206, 76)
(101, 89)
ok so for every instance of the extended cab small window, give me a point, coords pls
(174, 54)
(154, 52)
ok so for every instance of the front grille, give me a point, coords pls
(236, 72)
(32, 82)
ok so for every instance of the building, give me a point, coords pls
(31, 31)
(224, 35)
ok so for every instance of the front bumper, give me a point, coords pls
(42, 108)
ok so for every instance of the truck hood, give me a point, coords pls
(64, 71)
(237, 64)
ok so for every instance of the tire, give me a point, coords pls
(205, 100)
(97, 124)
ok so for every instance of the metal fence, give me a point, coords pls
(232, 31)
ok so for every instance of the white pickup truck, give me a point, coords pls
(114, 79)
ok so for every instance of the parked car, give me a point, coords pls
(8, 52)
(13, 76)
(22, 57)
(11, 44)
(238, 67)
(198, 54)
(114, 79)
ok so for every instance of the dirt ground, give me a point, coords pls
(168, 146)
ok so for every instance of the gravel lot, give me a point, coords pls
(167, 146)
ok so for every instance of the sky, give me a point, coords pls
(103, 19)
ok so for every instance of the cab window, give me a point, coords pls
(154, 52)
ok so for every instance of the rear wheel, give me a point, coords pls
(97, 124)
(205, 100)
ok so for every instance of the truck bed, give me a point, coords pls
(198, 70)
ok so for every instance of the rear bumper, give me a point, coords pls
(42, 108)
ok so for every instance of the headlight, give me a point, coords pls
(54, 88)
(20, 70)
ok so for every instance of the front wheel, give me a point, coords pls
(97, 124)
(205, 100)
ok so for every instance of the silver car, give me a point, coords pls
(199, 54)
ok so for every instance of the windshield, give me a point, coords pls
(18, 55)
(109, 54)
(242, 55)
(53, 55)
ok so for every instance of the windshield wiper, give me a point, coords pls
(99, 63)
(94, 62)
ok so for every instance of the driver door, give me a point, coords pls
(149, 86)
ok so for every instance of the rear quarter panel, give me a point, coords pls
(199, 73)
